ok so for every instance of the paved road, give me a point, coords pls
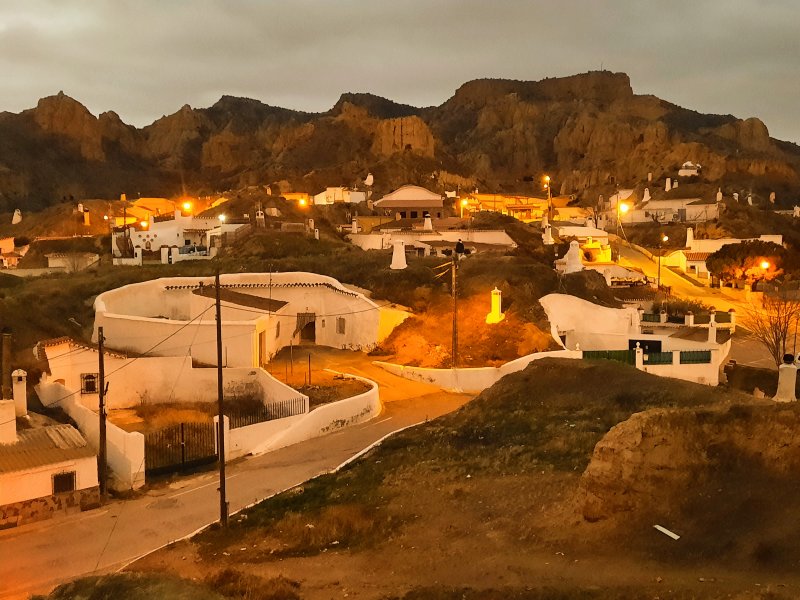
(36, 557)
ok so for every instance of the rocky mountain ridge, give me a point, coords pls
(588, 131)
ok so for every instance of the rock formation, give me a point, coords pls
(587, 131)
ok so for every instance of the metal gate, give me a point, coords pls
(179, 447)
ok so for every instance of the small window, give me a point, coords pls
(323, 323)
(64, 482)
(414, 214)
(278, 329)
(89, 383)
(340, 325)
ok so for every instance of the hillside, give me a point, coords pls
(492, 501)
(589, 131)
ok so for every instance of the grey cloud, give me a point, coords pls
(147, 58)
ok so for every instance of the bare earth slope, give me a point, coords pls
(491, 501)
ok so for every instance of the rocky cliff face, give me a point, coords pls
(586, 131)
(649, 463)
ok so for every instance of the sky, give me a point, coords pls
(147, 58)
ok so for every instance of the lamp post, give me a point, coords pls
(664, 238)
(622, 208)
(549, 198)
(464, 203)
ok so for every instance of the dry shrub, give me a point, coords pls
(244, 586)
(338, 525)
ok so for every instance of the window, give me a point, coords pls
(64, 482)
(340, 325)
(89, 383)
(278, 329)
(413, 214)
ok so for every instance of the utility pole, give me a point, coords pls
(102, 453)
(223, 502)
(455, 310)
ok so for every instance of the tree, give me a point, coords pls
(748, 261)
(773, 323)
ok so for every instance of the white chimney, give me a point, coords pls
(18, 383)
(428, 224)
(689, 238)
(398, 255)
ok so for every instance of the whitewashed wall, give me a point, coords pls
(325, 419)
(38, 483)
(474, 379)
(156, 380)
(125, 450)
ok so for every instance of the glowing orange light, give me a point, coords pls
(765, 264)
(302, 201)
(144, 224)
(222, 218)
(187, 206)
(623, 208)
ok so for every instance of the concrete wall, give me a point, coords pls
(125, 450)
(471, 380)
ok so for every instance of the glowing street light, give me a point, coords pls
(302, 202)
(765, 264)
(187, 207)
(549, 197)
(222, 218)
(664, 238)
(464, 204)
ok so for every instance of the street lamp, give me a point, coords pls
(464, 203)
(622, 208)
(664, 238)
(221, 218)
(549, 197)
(765, 264)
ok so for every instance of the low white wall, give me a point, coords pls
(125, 450)
(156, 380)
(324, 419)
(472, 380)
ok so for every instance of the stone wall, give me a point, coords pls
(40, 509)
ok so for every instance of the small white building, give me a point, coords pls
(689, 169)
(692, 258)
(689, 353)
(412, 202)
(71, 262)
(43, 469)
(172, 238)
(335, 195)
(261, 314)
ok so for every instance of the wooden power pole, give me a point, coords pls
(223, 502)
(102, 452)
(455, 310)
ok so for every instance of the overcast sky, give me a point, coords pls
(146, 58)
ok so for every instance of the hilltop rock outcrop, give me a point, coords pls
(587, 131)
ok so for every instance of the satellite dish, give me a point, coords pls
(369, 180)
